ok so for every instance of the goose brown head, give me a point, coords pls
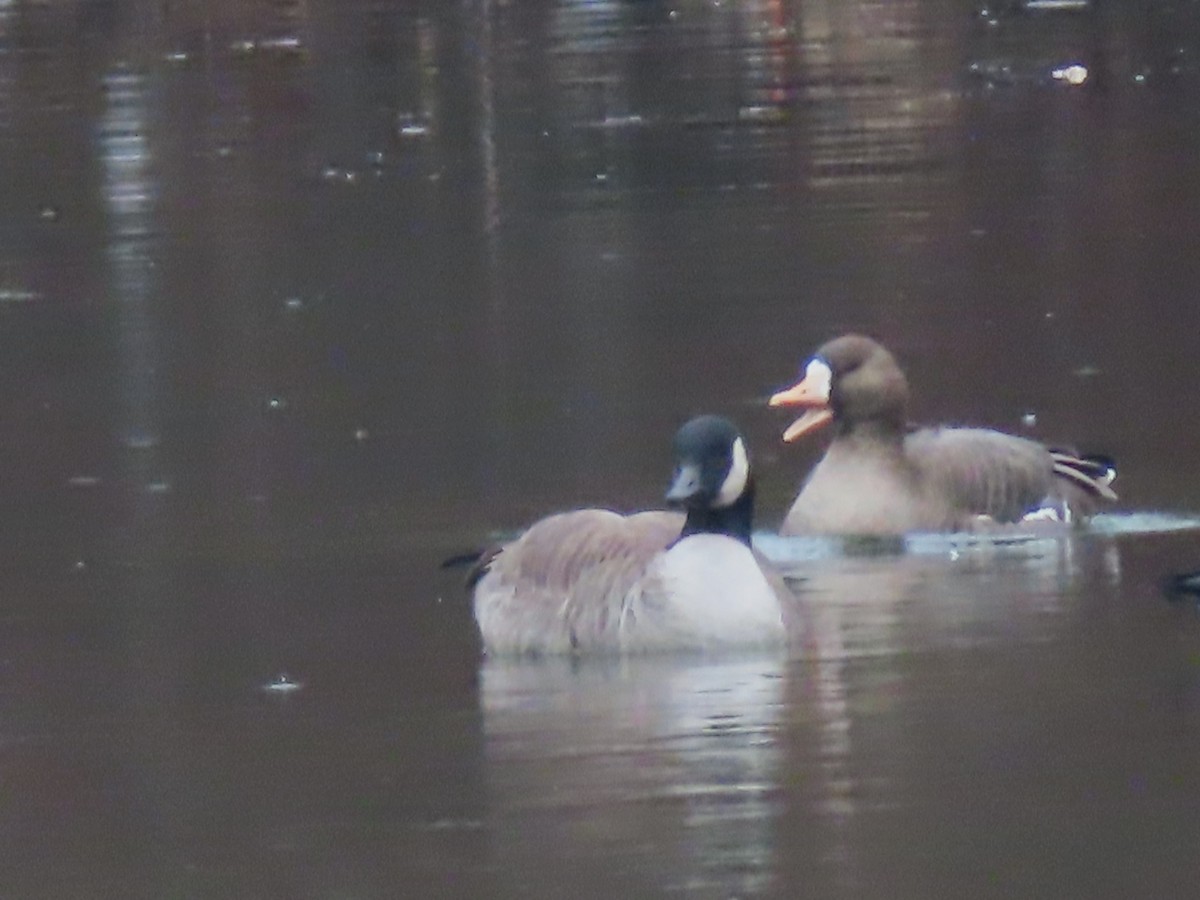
(852, 381)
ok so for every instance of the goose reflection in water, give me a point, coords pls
(688, 772)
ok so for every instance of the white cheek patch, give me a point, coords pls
(819, 377)
(735, 481)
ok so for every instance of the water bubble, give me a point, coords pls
(411, 126)
(9, 294)
(759, 113)
(141, 440)
(286, 45)
(361, 434)
(277, 403)
(282, 684)
(616, 121)
(338, 175)
(1029, 419)
(1074, 74)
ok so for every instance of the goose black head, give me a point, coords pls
(712, 478)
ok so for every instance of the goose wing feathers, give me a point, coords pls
(562, 584)
(982, 472)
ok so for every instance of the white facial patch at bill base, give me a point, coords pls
(735, 482)
(819, 378)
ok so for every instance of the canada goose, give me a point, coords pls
(881, 477)
(593, 581)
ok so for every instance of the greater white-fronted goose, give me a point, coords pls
(593, 581)
(879, 476)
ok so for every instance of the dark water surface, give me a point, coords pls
(298, 298)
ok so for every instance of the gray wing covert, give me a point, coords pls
(983, 472)
(561, 585)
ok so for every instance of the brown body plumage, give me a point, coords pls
(879, 476)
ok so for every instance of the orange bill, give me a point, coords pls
(810, 421)
(812, 393)
(803, 393)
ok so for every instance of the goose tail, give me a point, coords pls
(1094, 474)
(476, 562)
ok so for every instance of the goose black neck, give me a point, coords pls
(735, 520)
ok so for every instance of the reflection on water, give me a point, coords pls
(673, 774)
(130, 193)
(299, 297)
(763, 91)
(669, 766)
